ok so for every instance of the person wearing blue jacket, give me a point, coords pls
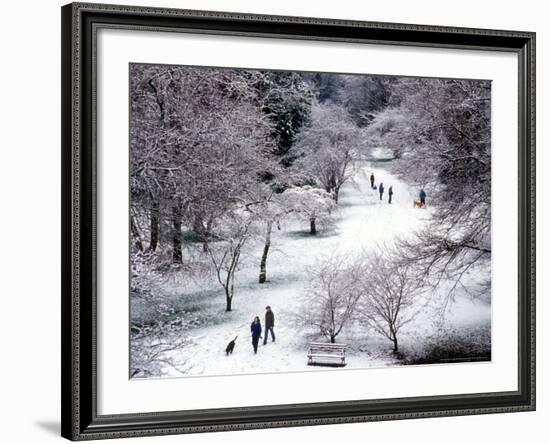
(422, 196)
(381, 190)
(256, 331)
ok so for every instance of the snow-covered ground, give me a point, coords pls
(364, 223)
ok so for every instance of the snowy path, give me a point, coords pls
(364, 222)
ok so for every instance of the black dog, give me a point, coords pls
(230, 347)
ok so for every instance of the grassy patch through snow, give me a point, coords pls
(452, 345)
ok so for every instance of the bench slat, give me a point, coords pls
(326, 356)
(334, 352)
(327, 348)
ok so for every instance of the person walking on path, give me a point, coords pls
(269, 324)
(381, 190)
(422, 196)
(372, 180)
(256, 330)
(390, 193)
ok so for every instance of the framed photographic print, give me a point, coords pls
(278, 221)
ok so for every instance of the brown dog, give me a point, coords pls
(418, 204)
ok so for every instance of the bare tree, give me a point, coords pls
(151, 348)
(331, 296)
(391, 297)
(153, 341)
(455, 244)
(227, 248)
(314, 205)
(327, 147)
(271, 211)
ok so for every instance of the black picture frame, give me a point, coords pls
(80, 420)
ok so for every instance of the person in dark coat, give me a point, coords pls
(256, 331)
(381, 190)
(390, 193)
(422, 196)
(269, 324)
(372, 180)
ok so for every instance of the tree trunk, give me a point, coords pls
(198, 226)
(312, 227)
(154, 226)
(332, 339)
(395, 349)
(263, 262)
(230, 281)
(135, 233)
(177, 256)
(202, 231)
(227, 300)
(336, 194)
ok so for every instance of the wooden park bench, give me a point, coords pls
(322, 353)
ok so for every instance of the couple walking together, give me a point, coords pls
(256, 328)
(381, 188)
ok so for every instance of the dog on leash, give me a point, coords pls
(418, 204)
(230, 347)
